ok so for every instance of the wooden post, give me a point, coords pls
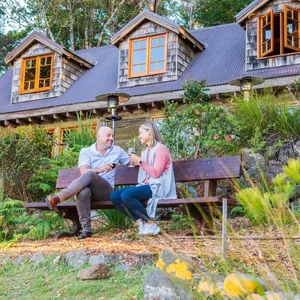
(224, 224)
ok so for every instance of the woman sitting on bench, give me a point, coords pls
(155, 181)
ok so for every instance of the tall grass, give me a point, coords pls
(82, 137)
(263, 119)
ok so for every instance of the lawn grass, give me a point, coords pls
(49, 281)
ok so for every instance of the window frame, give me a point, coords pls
(148, 55)
(285, 34)
(37, 74)
(261, 53)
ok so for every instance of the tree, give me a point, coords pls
(216, 12)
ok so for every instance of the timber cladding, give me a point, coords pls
(36, 50)
(64, 73)
(178, 56)
(253, 39)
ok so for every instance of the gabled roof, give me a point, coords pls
(222, 60)
(36, 36)
(249, 9)
(162, 21)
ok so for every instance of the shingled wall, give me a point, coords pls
(179, 55)
(252, 63)
(65, 72)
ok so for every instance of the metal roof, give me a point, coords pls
(222, 60)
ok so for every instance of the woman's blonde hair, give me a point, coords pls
(154, 133)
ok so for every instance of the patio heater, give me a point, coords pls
(113, 100)
(246, 83)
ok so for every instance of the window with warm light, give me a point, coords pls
(278, 33)
(36, 74)
(147, 56)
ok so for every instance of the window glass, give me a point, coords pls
(143, 60)
(37, 73)
(139, 56)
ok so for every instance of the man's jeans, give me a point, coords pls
(88, 187)
(128, 201)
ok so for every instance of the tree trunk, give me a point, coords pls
(71, 25)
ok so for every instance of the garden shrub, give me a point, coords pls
(22, 150)
(271, 205)
(15, 223)
(263, 122)
(198, 129)
(83, 136)
(44, 179)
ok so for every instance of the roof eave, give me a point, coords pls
(10, 57)
(119, 36)
(243, 17)
(27, 43)
(81, 61)
(191, 39)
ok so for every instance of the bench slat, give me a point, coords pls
(108, 204)
(186, 170)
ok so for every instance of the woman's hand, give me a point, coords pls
(134, 159)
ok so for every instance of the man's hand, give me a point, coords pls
(105, 168)
(102, 169)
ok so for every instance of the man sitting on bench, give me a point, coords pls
(96, 164)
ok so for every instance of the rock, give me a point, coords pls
(222, 191)
(297, 149)
(255, 297)
(240, 285)
(99, 271)
(76, 258)
(285, 153)
(57, 259)
(37, 258)
(144, 259)
(176, 265)
(123, 267)
(104, 259)
(211, 284)
(252, 160)
(20, 260)
(274, 168)
(5, 261)
(158, 285)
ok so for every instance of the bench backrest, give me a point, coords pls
(184, 170)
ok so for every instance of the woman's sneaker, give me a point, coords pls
(141, 226)
(151, 229)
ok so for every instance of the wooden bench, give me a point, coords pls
(209, 170)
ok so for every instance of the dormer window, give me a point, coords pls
(278, 33)
(36, 74)
(147, 55)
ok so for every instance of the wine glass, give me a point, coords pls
(132, 151)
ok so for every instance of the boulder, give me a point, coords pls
(297, 149)
(241, 285)
(252, 160)
(99, 271)
(274, 168)
(158, 285)
(285, 153)
(37, 258)
(175, 265)
(144, 259)
(104, 259)
(76, 258)
(211, 284)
